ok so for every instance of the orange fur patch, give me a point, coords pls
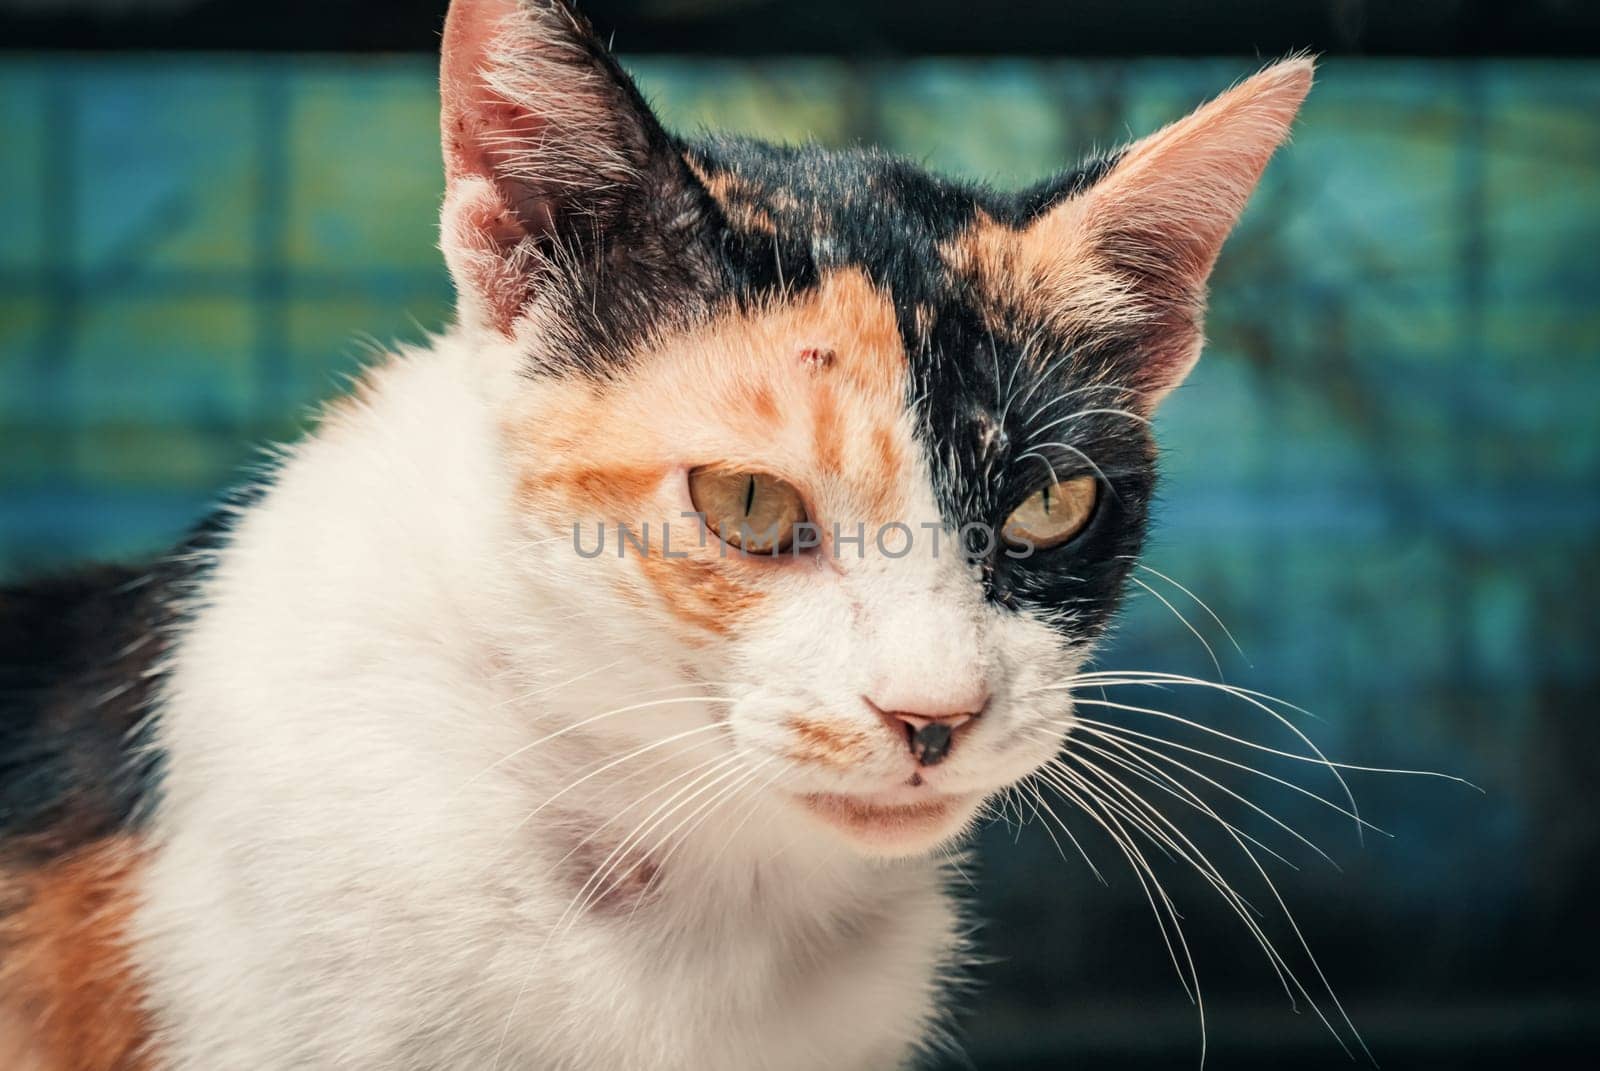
(700, 593)
(65, 976)
(826, 744)
(737, 392)
(1053, 273)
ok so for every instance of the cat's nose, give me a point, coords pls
(930, 729)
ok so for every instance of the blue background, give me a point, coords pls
(1384, 475)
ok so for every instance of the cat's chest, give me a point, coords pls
(783, 979)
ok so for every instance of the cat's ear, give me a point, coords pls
(551, 156)
(1131, 253)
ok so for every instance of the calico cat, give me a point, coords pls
(603, 685)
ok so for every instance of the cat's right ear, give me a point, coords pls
(1123, 252)
(552, 158)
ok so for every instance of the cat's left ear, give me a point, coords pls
(555, 168)
(1128, 257)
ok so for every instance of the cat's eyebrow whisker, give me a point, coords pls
(1047, 374)
(1198, 602)
(777, 260)
(1025, 356)
(1186, 624)
(1105, 411)
(1087, 460)
(994, 358)
(1046, 405)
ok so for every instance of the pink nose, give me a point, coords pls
(930, 731)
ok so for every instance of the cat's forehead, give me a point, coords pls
(831, 209)
(805, 211)
(983, 372)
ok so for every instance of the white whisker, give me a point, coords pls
(1198, 602)
(1132, 749)
(574, 726)
(1068, 786)
(1108, 728)
(1187, 797)
(1186, 624)
(1288, 917)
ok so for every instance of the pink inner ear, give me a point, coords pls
(538, 128)
(490, 212)
(1185, 186)
(473, 118)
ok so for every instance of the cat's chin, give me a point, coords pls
(884, 826)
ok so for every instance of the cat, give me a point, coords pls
(592, 688)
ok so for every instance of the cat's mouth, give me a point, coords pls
(896, 825)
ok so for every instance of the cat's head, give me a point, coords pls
(913, 412)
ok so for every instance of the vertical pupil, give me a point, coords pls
(1046, 493)
(749, 494)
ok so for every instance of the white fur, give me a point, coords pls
(345, 871)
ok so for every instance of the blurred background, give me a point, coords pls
(1384, 476)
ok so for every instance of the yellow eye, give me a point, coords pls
(750, 510)
(1053, 514)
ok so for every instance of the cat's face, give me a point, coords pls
(873, 445)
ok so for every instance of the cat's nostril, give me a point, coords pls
(929, 736)
(931, 743)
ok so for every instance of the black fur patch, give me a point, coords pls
(82, 661)
(78, 668)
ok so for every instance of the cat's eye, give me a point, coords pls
(752, 511)
(1054, 514)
